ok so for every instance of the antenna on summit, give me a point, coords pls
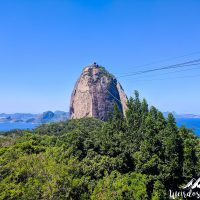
(95, 64)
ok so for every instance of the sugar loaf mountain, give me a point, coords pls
(95, 94)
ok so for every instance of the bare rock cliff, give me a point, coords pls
(95, 94)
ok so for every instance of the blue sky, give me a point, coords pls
(44, 46)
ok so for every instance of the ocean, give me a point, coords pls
(193, 124)
(7, 126)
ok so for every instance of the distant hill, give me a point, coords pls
(183, 116)
(45, 117)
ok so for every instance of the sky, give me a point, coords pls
(44, 45)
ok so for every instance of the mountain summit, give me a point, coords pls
(95, 94)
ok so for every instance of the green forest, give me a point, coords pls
(140, 156)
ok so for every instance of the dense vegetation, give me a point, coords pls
(140, 156)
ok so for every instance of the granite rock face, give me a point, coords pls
(95, 94)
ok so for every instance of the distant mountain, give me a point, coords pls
(18, 115)
(5, 119)
(185, 116)
(45, 117)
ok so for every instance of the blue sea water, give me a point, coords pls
(7, 126)
(193, 124)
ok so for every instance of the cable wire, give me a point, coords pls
(179, 65)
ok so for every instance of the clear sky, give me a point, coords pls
(44, 45)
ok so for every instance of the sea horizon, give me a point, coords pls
(190, 123)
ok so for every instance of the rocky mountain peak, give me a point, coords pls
(95, 94)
